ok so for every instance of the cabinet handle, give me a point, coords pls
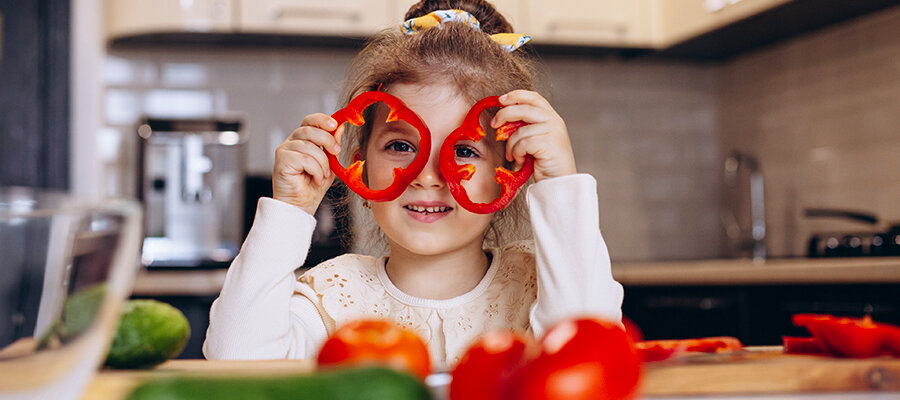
(288, 12)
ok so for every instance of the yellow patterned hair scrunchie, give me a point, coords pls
(508, 41)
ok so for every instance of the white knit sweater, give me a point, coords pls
(264, 312)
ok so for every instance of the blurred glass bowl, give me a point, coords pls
(66, 266)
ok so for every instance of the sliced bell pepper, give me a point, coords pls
(352, 175)
(802, 345)
(851, 337)
(454, 173)
(657, 350)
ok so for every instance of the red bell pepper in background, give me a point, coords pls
(352, 175)
(454, 173)
(851, 337)
(803, 345)
(657, 350)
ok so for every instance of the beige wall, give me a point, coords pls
(822, 113)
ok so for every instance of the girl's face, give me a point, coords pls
(425, 219)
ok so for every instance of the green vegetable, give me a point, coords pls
(149, 333)
(80, 310)
(368, 383)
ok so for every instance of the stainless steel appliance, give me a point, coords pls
(878, 239)
(191, 179)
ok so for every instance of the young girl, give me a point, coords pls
(448, 274)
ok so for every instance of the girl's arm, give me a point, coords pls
(257, 315)
(573, 269)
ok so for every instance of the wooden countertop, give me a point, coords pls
(761, 371)
(748, 272)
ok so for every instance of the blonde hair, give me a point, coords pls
(456, 55)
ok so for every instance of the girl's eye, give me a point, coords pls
(399, 146)
(465, 152)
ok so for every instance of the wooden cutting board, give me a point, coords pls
(766, 370)
(757, 370)
(110, 384)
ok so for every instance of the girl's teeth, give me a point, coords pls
(427, 209)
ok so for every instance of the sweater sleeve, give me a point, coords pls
(573, 268)
(257, 315)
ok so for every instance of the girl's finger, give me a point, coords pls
(308, 150)
(514, 143)
(528, 145)
(524, 97)
(321, 121)
(318, 137)
(520, 112)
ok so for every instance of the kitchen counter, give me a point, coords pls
(187, 282)
(747, 272)
(757, 373)
(208, 282)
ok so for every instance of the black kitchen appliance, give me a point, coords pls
(878, 239)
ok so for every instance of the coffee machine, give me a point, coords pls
(191, 182)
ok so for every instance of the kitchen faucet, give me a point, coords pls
(756, 243)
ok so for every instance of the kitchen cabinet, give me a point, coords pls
(675, 21)
(135, 17)
(512, 10)
(606, 23)
(312, 17)
(756, 314)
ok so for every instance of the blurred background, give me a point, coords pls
(718, 130)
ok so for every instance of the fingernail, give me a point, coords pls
(331, 124)
(336, 149)
(503, 98)
(493, 122)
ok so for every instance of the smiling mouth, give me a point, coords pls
(427, 210)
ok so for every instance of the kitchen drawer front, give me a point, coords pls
(312, 17)
(595, 23)
(135, 17)
(678, 20)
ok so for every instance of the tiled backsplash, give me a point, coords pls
(645, 130)
(822, 115)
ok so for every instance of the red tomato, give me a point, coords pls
(484, 370)
(632, 330)
(580, 359)
(368, 342)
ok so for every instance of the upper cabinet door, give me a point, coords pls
(512, 10)
(316, 17)
(135, 17)
(678, 20)
(613, 23)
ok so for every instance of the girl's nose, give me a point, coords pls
(430, 175)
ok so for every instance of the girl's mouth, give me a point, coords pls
(427, 210)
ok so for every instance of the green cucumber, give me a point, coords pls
(368, 383)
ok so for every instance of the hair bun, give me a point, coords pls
(487, 15)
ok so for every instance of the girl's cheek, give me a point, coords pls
(482, 188)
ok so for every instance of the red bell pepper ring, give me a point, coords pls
(352, 175)
(454, 173)
(851, 337)
(657, 350)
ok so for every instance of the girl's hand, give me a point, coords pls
(545, 137)
(302, 175)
